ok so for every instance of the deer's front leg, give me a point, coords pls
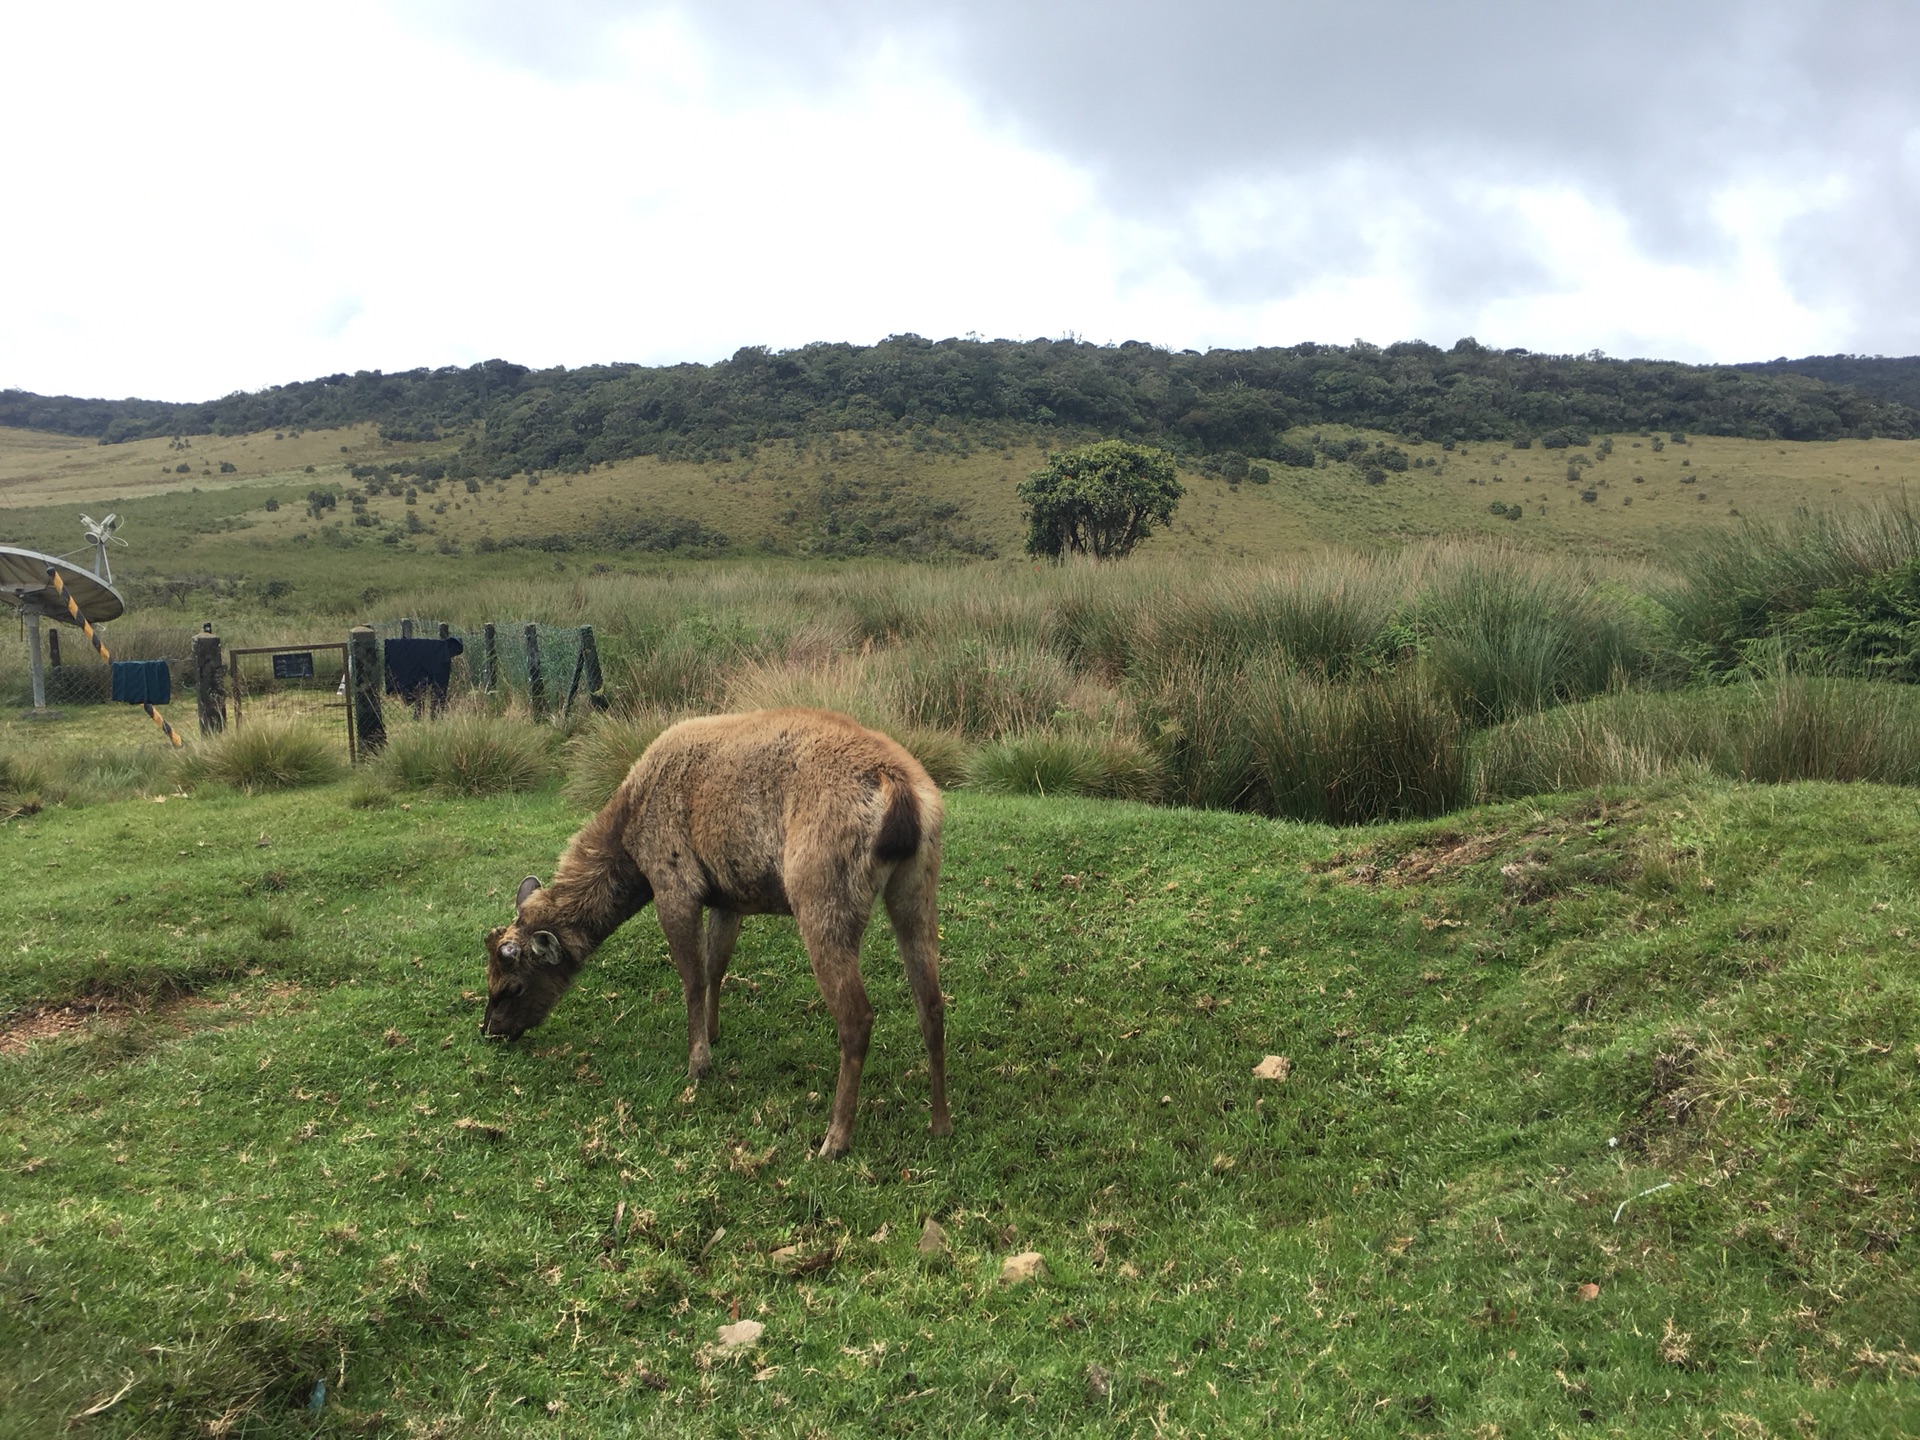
(681, 925)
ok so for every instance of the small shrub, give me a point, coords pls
(271, 755)
(468, 754)
(599, 757)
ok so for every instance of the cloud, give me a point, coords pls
(225, 195)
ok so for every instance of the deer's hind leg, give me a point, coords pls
(680, 923)
(723, 929)
(831, 926)
(913, 909)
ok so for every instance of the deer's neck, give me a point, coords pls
(596, 887)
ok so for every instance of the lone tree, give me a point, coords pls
(1100, 500)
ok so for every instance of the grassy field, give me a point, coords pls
(1598, 1108)
(1599, 1116)
(203, 533)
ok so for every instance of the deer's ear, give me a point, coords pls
(527, 887)
(546, 947)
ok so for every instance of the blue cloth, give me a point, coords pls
(414, 665)
(142, 682)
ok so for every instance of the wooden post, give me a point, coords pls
(35, 662)
(536, 677)
(406, 629)
(208, 683)
(590, 665)
(363, 665)
(489, 658)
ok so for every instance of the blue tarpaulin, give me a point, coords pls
(142, 682)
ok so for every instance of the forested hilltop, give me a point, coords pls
(511, 418)
(1884, 377)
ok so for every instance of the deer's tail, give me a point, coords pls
(901, 830)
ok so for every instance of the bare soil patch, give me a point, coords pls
(37, 1023)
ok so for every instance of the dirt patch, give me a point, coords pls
(50, 1022)
(75, 1019)
(1441, 856)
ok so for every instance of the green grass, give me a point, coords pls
(1502, 1028)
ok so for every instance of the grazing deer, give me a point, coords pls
(781, 812)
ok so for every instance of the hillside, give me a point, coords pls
(510, 418)
(930, 494)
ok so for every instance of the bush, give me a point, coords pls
(599, 757)
(468, 754)
(271, 755)
(1053, 763)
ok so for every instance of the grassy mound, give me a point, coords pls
(1599, 1111)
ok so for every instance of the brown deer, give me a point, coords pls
(781, 812)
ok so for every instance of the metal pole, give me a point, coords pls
(35, 663)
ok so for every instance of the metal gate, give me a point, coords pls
(303, 684)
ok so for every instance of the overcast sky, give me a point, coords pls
(204, 197)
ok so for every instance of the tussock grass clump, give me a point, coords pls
(1813, 728)
(1796, 728)
(271, 755)
(848, 684)
(1193, 708)
(945, 755)
(1106, 767)
(1507, 635)
(1742, 585)
(597, 759)
(976, 687)
(468, 754)
(1386, 748)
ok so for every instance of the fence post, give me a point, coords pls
(489, 658)
(34, 661)
(536, 677)
(208, 682)
(363, 655)
(590, 674)
(406, 629)
(53, 647)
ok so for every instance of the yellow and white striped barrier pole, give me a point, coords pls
(60, 589)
